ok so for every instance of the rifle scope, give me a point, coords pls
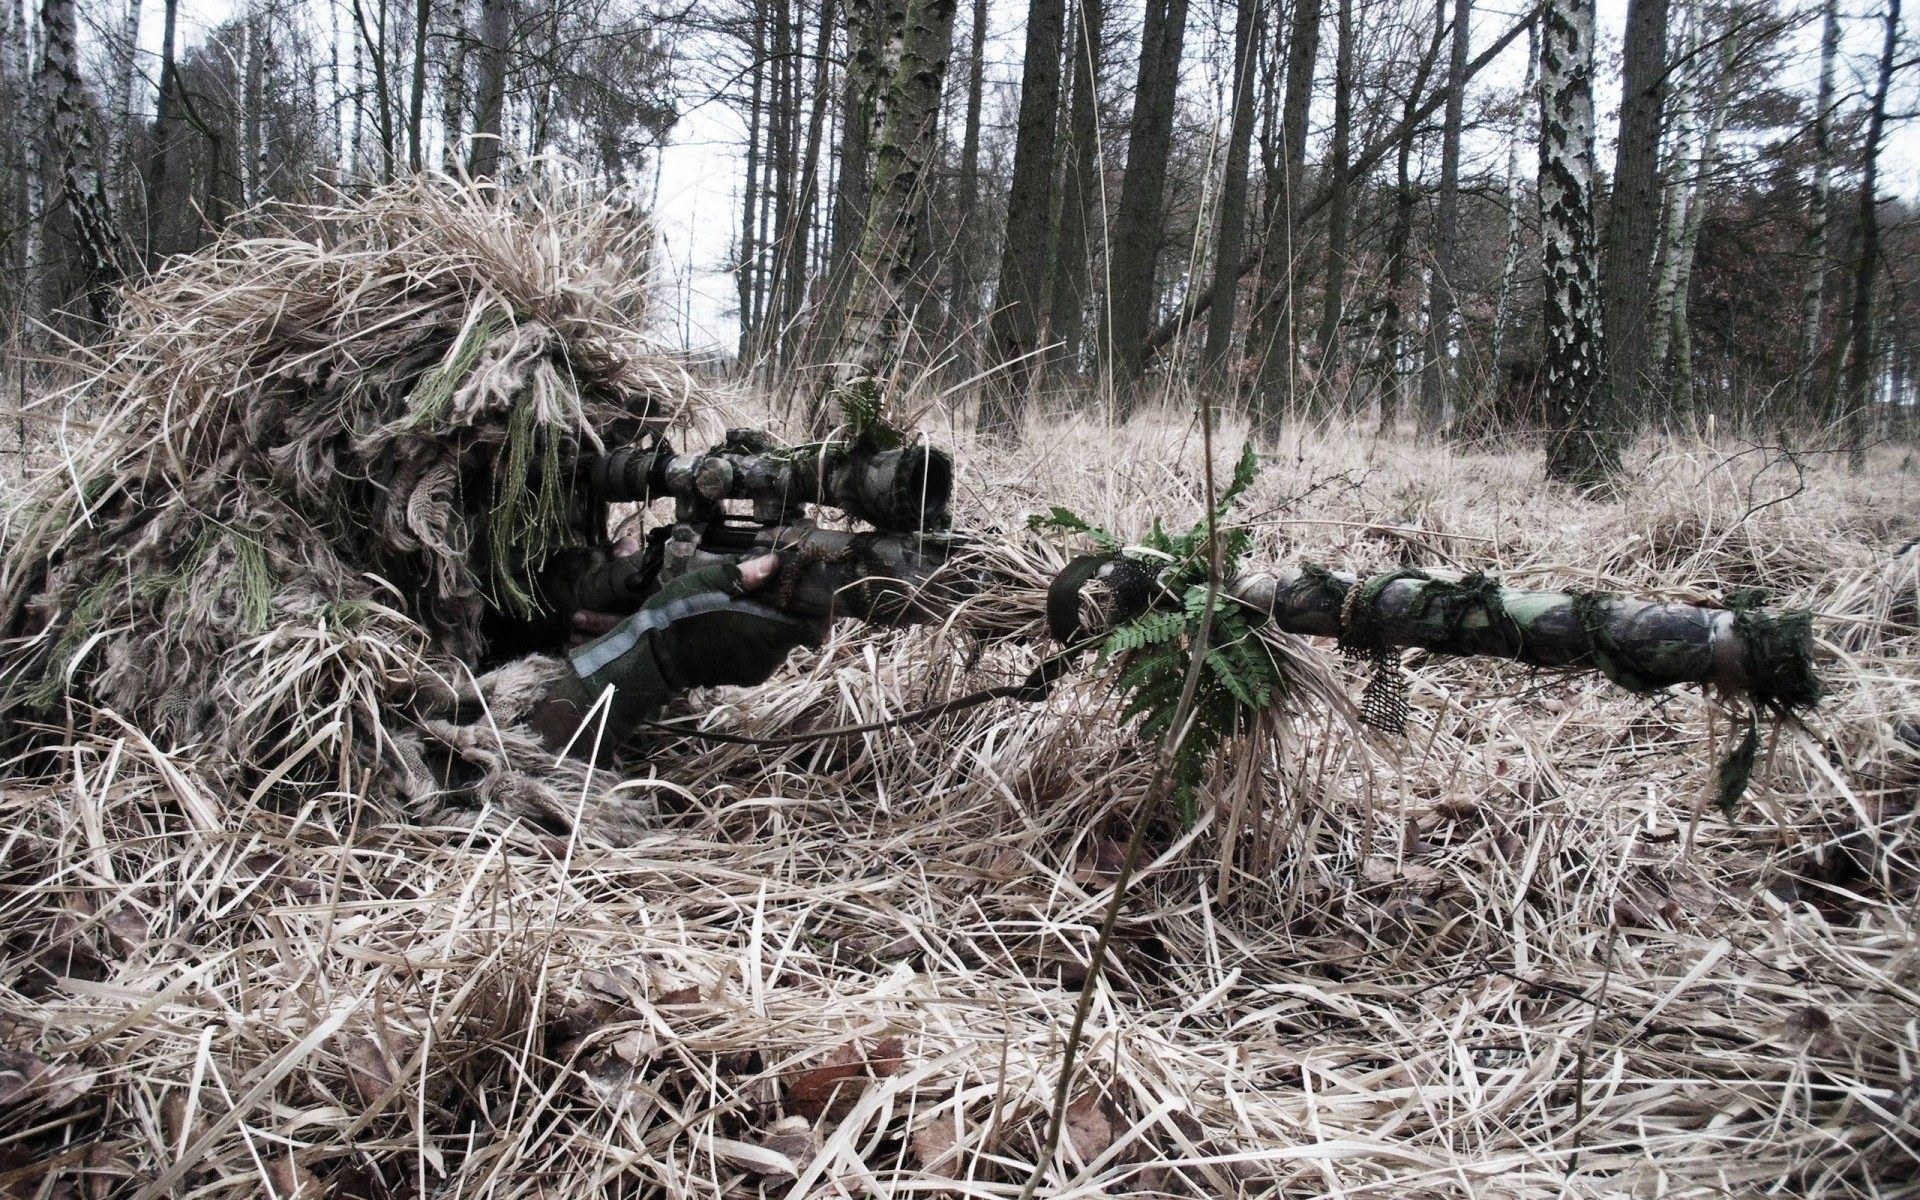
(906, 489)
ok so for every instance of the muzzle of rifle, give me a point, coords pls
(898, 490)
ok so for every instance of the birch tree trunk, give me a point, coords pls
(1082, 202)
(1019, 303)
(1685, 414)
(69, 150)
(1135, 242)
(792, 269)
(1230, 231)
(905, 134)
(1510, 266)
(453, 84)
(1860, 355)
(1634, 217)
(1584, 445)
(1819, 205)
(1680, 180)
(120, 107)
(1436, 384)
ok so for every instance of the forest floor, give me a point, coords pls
(1513, 952)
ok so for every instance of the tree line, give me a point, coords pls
(1309, 208)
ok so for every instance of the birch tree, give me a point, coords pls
(70, 153)
(1584, 443)
(904, 136)
(1677, 283)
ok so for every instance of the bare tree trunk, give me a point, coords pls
(793, 268)
(1679, 184)
(1634, 215)
(782, 171)
(965, 301)
(1436, 382)
(489, 118)
(1019, 308)
(1860, 356)
(879, 314)
(1230, 232)
(1819, 206)
(1135, 243)
(1510, 268)
(1201, 302)
(1275, 331)
(1082, 205)
(1684, 407)
(1339, 154)
(1584, 448)
(70, 151)
(746, 259)
(1387, 347)
(417, 92)
(453, 85)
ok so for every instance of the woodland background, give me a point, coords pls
(1308, 208)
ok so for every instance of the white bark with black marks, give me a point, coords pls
(1584, 447)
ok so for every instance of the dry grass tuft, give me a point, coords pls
(1514, 953)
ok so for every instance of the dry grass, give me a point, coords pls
(1513, 953)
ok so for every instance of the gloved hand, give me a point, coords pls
(701, 630)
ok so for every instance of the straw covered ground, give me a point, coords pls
(1514, 952)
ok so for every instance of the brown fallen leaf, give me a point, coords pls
(288, 1180)
(886, 1056)
(367, 1067)
(678, 997)
(837, 1079)
(1089, 1129)
(935, 1147)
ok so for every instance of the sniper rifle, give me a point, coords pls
(747, 497)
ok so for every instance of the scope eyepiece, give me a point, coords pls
(895, 489)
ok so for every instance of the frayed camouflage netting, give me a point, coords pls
(321, 472)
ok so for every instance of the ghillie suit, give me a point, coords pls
(305, 536)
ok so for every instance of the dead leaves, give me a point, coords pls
(1089, 1128)
(831, 1087)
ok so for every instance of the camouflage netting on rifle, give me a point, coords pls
(319, 471)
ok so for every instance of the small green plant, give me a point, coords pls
(1239, 675)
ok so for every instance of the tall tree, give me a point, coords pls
(69, 152)
(1339, 158)
(1388, 336)
(1676, 283)
(1634, 213)
(746, 257)
(879, 324)
(1134, 247)
(1017, 317)
(1819, 206)
(1510, 265)
(1860, 355)
(1436, 385)
(490, 105)
(1584, 444)
(1082, 209)
(965, 289)
(1275, 332)
(1230, 232)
